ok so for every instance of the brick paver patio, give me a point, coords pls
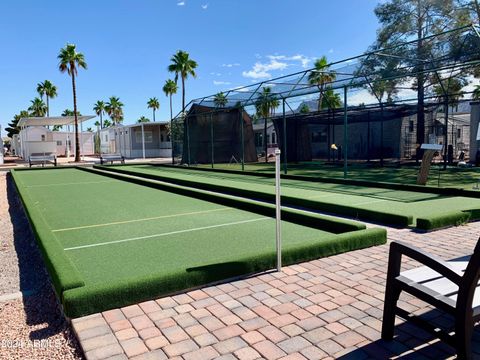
(326, 308)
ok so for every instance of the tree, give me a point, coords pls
(304, 109)
(143, 119)
(265, 107)
(476, 93)
(182, 66)
(99, 108)
(13, 128)
(402, 20)
(66, 112)
(320, 76)
(89, 129)
(114, 109)
(153, 104)
(331, 100)
(107, 123)
(220, 100)
(70, 61)
(49, 90)
(450, 88)
(170, 88)
(37, 107)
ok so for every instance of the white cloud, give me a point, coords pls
(304, 60)
(262, 70)
(204, 6)
(215, 82)
(181, 3)
(330, 51)
(215, 74)
(230, 65)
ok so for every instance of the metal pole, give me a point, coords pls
(81, 140)
(242, 136)
(188, 142)
(284, 140)
(143, 142)
(446, 133)
(278, 210)
(172, 143)
(211, 139)
(345, 140)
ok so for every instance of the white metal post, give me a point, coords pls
(81, 141)
(143, 141)
(278, 210)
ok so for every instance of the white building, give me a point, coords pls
(143, 140)
(35, 138)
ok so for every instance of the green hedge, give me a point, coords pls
(453, 218)
(63, 272)
(351, 211)
(90, 299)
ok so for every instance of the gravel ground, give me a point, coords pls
(32, 327)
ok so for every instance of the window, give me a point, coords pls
(274, 138)
(148, 136)
(410, 126)
(459, 133)
(59, 142)
(161, 137)
(106, 137)
(43, 137)
(268, 138)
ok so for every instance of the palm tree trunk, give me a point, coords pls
(48, 108)
(153, 115)
(171, 129)
(77, 143)
(101, 121)
(183, 94)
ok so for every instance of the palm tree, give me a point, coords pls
(265, 107)
(170, 88)
(70, 61)
(320, 76)
(476, 93)
(38, 107)
(182, 66)
(331, 100)
(99, 109)
(107, 123)
(143, 119)
(114, 109)
(220, 100)
(49, 90)
(153, 103)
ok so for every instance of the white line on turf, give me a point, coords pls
(165, 234)
(139, 220)
(73, 183)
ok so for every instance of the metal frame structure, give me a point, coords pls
(451, 59)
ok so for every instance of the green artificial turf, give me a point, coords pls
(455, 177)
(109, 242)
(422, 209)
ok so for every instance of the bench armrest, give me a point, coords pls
(397, 249)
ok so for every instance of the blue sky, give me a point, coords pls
(128, 45)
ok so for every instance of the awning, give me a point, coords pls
(52, 120)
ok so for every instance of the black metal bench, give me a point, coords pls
(111, 158)
(447, 285)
